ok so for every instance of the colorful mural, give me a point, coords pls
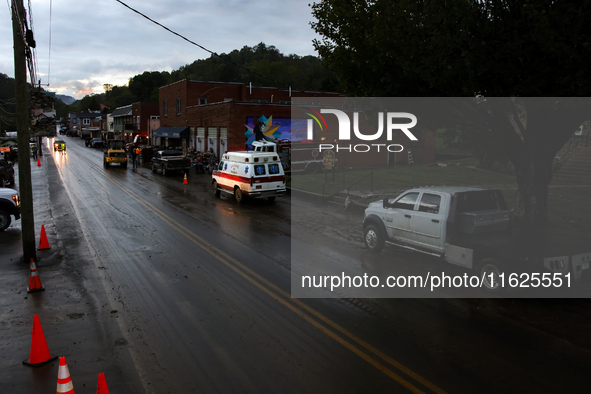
(284, 129)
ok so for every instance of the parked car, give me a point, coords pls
(97, 143)
(9, 205)
(6, 173)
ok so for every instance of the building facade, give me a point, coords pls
(221, 117)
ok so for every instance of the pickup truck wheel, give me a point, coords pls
(216, 190)
(374, 239)
(105, 163)
(4, 220)
(153, 168)
(163, 171)
(487, 267)
(238, 195)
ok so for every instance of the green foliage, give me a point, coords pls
(456, 47)
(267, 65)
(145, 86)
(7, 104)
(115, 96)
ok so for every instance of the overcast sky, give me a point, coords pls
(101, 41)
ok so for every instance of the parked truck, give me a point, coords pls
(167, 161)
(6, 173)
(468, 227)
(9, 206)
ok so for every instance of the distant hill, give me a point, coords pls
(68, 100)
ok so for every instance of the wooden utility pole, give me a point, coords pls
(23, 121)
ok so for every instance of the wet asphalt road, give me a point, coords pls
(166, 288)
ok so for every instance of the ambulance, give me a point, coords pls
(249, 174)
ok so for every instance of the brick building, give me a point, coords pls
(132, 120)
(213, 115)
(218, 116)
(141, 114)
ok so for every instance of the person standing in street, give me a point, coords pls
(138, 152)
(133, 157)
(34, 152)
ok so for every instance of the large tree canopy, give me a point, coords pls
(463, 48)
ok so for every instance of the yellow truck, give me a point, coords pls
(115, 154)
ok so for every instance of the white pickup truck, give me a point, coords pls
(9, 205)
(468, 227)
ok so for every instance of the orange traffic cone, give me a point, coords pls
(64, 382)
(43, 244)
(39, 162)
(185, 180)
(101, 387)
(34, 279)
(39, 351)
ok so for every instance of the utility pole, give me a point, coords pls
(22, 126)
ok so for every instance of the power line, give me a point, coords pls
(194, 43)
(34, 69)
(49, 57)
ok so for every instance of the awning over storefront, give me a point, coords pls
(172, 132)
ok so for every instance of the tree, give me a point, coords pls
(490, 48)
(267, 65)
(145, 86)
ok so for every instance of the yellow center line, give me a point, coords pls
(285, 299)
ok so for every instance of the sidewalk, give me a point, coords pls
(75, 322)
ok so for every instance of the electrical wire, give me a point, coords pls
(200, 46)
(33, 66)
(49, 57)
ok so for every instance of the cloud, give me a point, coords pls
(101, 42)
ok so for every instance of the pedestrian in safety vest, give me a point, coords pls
(133, 157)
(138, 151)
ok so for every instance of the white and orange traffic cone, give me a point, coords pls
(64, 382)
(39, 354)
(34, 279)
(185, 180)
(101, 387)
